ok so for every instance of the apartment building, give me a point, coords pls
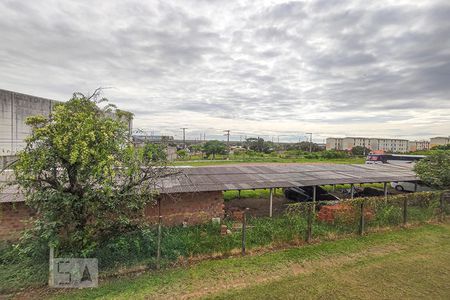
(334, 143)
(437, 141)
(418, 146)
(388, 145)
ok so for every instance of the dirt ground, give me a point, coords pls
(258, 207)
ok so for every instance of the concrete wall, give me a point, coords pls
(14, 109)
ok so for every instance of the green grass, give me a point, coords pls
(179, 244)
(350, 160)
(411, 263)
(259, 193)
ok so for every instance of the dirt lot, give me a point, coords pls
(258, 207)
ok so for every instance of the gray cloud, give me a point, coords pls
(266, 68)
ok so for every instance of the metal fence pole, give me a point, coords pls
(309, 224)
(314, 197)
(51, 279)
(442, 207)
(352, 190)
(385, 191)
(361, 219)
(158, 250)
(405, 211)
(271, 202)
(244, 227)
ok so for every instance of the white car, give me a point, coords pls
(410, 187)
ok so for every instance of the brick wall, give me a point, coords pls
(14, 217)
(192, 208)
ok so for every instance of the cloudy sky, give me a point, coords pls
(267, 68)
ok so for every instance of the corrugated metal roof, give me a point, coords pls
(222, 178)
(281, 176)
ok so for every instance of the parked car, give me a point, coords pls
(297, 194)
(364, 192)
(305, 194)
(410, 187)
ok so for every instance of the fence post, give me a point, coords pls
(309, 225)
(51, 279)
(361, 218)
(244, 227)
(405, 211)
(442, 207)
(158, 251)
(385, 189)
(271, 202)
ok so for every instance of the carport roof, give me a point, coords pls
(222, 178)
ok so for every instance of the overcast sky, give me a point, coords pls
(268, 68)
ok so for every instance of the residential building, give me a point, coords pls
(388, 145)
(334, 144)
(438, 141)
(418, 146)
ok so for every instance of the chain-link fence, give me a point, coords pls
(299, 223)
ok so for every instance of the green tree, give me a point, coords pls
(360, 150)
(183, 154)
(305, 146)
(331, 154)
(441, 147)
(434, 170)
(259, 145)
(81, 174)
(214, 147)
(154, 152)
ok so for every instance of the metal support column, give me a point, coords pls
(271, 202)
(314, 197)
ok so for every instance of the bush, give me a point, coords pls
(330, 154)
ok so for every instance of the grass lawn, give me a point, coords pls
(404, 263)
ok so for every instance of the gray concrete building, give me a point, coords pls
(14, 109)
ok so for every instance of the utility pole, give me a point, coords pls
(228, 139)
(310, 141)
(184, 136)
